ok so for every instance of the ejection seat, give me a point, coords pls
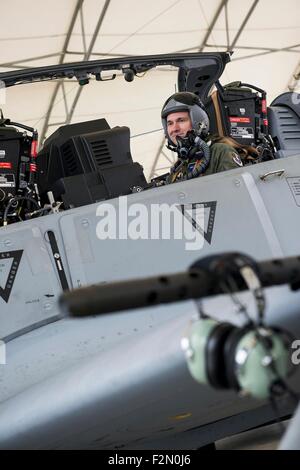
(284, 124)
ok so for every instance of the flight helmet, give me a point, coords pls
(186, 101)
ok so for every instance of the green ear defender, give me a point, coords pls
(253, 359)
(195, 346)
(260, 361)
(250, 360)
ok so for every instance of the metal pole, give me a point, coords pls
(150, 291)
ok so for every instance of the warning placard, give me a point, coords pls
(241, 132)
(7, 181)
(294, 184)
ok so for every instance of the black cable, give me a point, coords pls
(191, 149)
(14, 199)
(235, 299)
(40, 211)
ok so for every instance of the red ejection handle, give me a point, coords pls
(33, 155)
(264, 113)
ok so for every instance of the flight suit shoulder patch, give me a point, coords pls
(236, 159)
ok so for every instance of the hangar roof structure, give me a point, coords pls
(264, 35)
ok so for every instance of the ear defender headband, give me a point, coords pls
(253, 359)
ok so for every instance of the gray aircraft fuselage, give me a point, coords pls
(121, 381)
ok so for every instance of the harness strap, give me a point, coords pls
(214, 97)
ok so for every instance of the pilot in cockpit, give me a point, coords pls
(186, 126)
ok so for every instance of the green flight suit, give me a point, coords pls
(222, 158)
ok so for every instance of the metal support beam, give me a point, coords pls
(158, 153)
(242, 27)
(170, 160)
(29, 59)
(294, 82)
(61, 60)
(83, 30)
(229, 47)
(252, 48)
(87, 56)
(227, 27)
(65, 97)
(101, 54)
(18, 67)
(222, 4)
(284, 49)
